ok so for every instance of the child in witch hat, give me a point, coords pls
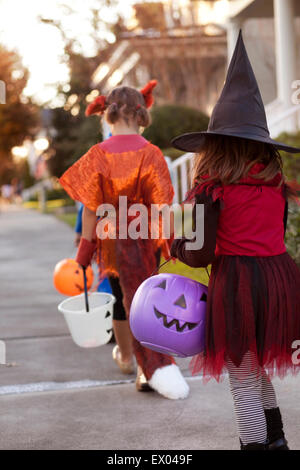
(126, 164)
(253, 305)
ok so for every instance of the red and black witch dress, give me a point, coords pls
(253, 299)
(125, 165)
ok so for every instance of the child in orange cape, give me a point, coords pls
(128, 165)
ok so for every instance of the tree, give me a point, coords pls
(74, 136)
(18, 117)
(74, 133)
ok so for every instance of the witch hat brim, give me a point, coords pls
(193, 141)
(239, 111)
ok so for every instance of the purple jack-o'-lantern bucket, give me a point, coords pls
(168, 314)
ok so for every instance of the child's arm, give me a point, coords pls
(204, 256)
(88, 244)
(89, 220)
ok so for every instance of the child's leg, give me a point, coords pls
(124, 339)
(246, 388)
(268, 393)
(276, 437)
(123, 351)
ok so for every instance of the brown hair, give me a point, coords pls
(129, 104)
(227, 159)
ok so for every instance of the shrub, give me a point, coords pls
(292, 239)
(172, 153)
(291, 161)
(169, 121)
(291, 164)
(53, 194)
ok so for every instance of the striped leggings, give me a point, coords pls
(252, 393)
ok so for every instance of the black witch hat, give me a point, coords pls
(239, 111)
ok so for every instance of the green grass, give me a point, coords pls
(69, 219)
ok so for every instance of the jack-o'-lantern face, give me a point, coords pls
(68, 277)
(168, 314)
(98, 326)
(182, 313)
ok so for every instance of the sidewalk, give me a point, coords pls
(56, 395)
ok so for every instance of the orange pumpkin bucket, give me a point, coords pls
(68, 279)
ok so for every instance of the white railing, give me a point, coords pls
(180, 170)
(287, 120)
(37, 188)
(41, 190)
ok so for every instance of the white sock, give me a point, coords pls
(169, 382)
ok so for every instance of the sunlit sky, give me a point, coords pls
(41, 45)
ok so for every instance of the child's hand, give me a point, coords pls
(85, 252)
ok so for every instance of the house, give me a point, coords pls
(186, 45)
(188, 59)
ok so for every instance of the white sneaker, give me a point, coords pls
(169, 382)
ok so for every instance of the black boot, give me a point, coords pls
(279, 444)
(254, 446)
(276, 438)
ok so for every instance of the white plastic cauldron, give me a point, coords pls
(93, 328)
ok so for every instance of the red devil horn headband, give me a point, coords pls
(147, 93)
(99, 105)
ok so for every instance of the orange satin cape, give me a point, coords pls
(100, 177)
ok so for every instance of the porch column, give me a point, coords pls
(285, 43)
(233, 27)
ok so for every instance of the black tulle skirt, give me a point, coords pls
(253, 305)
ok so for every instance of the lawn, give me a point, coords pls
(51, 205)
(69, 219)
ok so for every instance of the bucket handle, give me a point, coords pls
(87, 308)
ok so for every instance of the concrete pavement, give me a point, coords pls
(56, 395)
